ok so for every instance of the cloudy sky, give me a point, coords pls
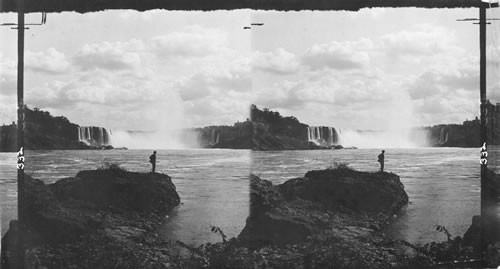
(373, 69)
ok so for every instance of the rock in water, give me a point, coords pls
(329, 199)
(119, 189)
(345, 188)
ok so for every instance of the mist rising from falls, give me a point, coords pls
(173, 139)
(395, 126)
(399, 138)
(159, 125)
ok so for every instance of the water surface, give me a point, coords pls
(212, 184)
(443, 184)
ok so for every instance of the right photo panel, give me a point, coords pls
(368, 139)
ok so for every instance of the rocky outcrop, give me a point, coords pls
(238, 136)
(322, 221)
(321, 200)
(99, 207)
(120, 190)
(265, 139)
(344, 188)
(271, 131)
(455, 135)
(334, 218)
(8, 138)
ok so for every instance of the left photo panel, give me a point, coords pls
(137, 138)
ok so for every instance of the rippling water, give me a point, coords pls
(212, 184)
(8, 189)
(443, 184)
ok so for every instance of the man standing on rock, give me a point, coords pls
(152, 160)
(381, 159)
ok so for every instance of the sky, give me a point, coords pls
(156, 70)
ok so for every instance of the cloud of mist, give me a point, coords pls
(403, 138)
(171, 139)
(397, 128)
(163, 123)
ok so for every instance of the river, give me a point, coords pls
(442, 183)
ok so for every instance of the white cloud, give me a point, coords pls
(445, 83)
(327, 87)
(224, 110)
(194, 87)
(8, 77)
(130, 82)
(346, 55)
(95, 88)
(345, 76)
(50, 61)
(425, 86)
(8, 109)
(445, 96)
(193, 41)
(359, 83)
(423, 40)
(447, 108)
(110, 55)
(214, 82)
(97, 99)
(279, 61)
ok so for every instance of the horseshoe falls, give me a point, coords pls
(395, 138)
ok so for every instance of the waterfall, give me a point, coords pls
(101, 137)
(322, 135)
(94, 136)
(443, 136)
(213, 138)
(330, 135)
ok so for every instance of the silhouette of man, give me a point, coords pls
(381, 159)
(152, 160)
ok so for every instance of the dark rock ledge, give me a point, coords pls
(331, 218)
(332, 199)
(93, 220)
